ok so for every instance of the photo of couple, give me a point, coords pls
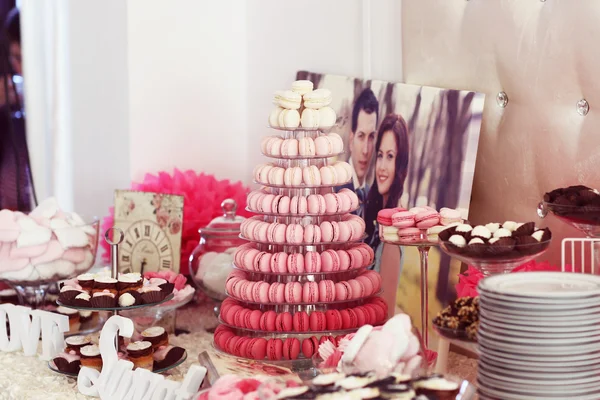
(408, 146)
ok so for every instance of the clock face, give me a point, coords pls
(145, 248)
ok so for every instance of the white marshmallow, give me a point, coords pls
(75, 220)
(46, 209)
(29, 273)
(85, 264)
(60, 268)
(72, 237)
(31, 233)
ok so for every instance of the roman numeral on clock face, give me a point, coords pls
(166, 263)
(146, 230)
(125, 258)
(164, 248)
(137, 233)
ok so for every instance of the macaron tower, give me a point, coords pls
(303, 278)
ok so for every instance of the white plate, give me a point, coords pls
(541, 309)
(539, 350)
(546, 316)
(559, 384)
(520, 365)
(515, 395)
(546, 359)
(583, 329)
(541, 302)
(539, 342)
(552, 285)
(545, 334)
(537, 321)
(535, 374)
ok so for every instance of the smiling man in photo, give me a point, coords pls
(362, 143)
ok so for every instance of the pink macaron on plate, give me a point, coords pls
(266, 334)
(305, 244)
(301, 186)
(300, 131)
(307, 214)
(279, 307)
(300, 157)
(301, 276)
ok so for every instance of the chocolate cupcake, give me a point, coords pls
(75, 343)
(86, 281)
(157, 336)
(82, 300)
(129, 282)
(68, 362)
(130, 299)
(68, 293)
(140, 354)
(103, 300)
(437, 388)
(152, 294)
(166, 356)
(90, 357)
(103, 283)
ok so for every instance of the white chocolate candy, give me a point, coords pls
(510, 225)
(476, 241)
(502, 232)
(481, 231)
(457, 240)
(537, 235)
(464, 228)
(493, 227)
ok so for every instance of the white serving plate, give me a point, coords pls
(546, 334)
(552, 285)
(539, 350)
(562, 315)
(526, 395)
(582, 329)
(552, 367)
(537, 375)
(546, 359)
(533, 320)
(581, 308)
(553, 385)
(539, 342)
(540, 301)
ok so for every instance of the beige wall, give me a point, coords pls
(544, 55)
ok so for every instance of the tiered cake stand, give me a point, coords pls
(423, 244)
(117, 238)
(297, 360)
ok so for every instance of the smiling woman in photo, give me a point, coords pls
(391, 168)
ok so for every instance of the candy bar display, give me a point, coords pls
(495, 247)
(302, 278)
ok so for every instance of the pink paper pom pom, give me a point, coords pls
(203, 195)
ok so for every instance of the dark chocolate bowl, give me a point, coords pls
(496, 258)
(578, 206)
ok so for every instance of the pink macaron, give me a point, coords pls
(344, 260)
(403, 219)
(358, 289)
(312, 262)
(332, 203)
(317, 321)
(367, 284)
(267, 321)
(326, 231)
(277, 293)
(281, 205)
(294, 233)
(354, 202)
(264, 262)
(409, 234)
(274, 349)
(312, 234)
(426, 219)
(293, 292)
(295, 263)
(279, 263)
(345, 202)
(330, 261)
(260, 293)
(326, 291)
(301, 322)
(316, 204)
(356, 259)
(310, 292)
(333, 320)
(283, 322)
(255, 316)
(343, 291)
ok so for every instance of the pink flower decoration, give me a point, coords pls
(162, 217)
(174, 225)
(203, 195)
(467, 282)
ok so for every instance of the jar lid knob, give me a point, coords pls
(229, 207)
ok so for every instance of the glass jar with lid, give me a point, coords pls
(212, 260)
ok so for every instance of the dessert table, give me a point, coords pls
(25, 378)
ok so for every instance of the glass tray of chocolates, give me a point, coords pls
(152, 352)
(100, 292)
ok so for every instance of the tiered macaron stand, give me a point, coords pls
(301, 362)
(114, 237)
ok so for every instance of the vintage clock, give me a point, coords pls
(152, 225)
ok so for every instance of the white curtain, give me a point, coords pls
(45, 33)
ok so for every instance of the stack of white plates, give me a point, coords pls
(539, 336)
